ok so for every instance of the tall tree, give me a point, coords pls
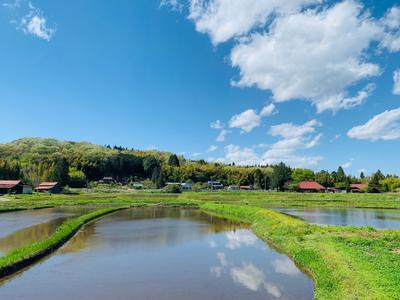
(280, 176)
(173, 160)
(341, 175)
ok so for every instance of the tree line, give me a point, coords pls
(76, 163)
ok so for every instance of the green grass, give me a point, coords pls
(261, 199)
(345, 262)
(19, 258)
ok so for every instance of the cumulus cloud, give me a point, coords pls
(217, 124)
(288, 130)
(250, 119)
(222, 135)
(225, 19)
(385, 126)
(314, 55)
(35, 23)
(391, 22)
(268, 110)
(246, 120)
(396, 79)
(241, 156)
(293, 138)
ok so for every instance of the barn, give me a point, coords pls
(11, 187)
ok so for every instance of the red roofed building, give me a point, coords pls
(11, 187)
(310, 186)
(49, 187)
(358, 187)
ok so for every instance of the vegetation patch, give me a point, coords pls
(24, 256)
(345, 262)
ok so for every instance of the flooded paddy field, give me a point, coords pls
(155, 253)
(21, 228)
(377, 218)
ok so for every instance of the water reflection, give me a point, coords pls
(162, 254)
(378, 218)
(21, 228)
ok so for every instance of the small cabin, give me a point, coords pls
(107, 180)
(358, 187)
(311, 187)
(185, 186)
(215, 185)
(11, 187)
(49, 187)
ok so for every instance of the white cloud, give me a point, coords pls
(222, 135)
(250, 119)
(173, 4)
(246, 120)
(197, 153)
(212, 148)
(268, 110)
(385, 126)
(293, 138)
(314, 55)
(35, 23)
(347, 164)
(396, 79)
(392, 18)
(217, 125)
(241, 156)
(225, 19)
(288, 130)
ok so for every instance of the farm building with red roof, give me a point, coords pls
(11, 187)
(310, 186)
(358, 187)
(48, 187)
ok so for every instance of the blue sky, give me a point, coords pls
(150, 74)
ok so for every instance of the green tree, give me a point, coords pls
(341, 175)
(280, 176)
(374, 185)
(173, 160)
(324, 178)
(299, 175)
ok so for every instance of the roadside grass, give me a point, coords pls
(24, 256)
(345, 262)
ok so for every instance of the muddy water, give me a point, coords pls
(161, 254)
(378, 218)
(21, 228)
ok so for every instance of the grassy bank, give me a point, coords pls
(22, 257)
(345, 262)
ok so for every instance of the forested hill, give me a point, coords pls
(38, 159)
